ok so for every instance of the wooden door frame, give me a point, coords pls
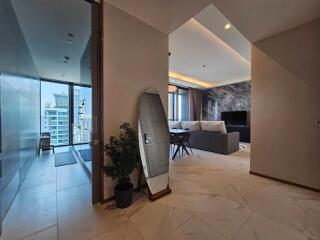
(97, 100)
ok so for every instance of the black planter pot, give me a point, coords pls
(123, 193)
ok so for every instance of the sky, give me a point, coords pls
(49, 88)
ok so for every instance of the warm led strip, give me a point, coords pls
(181, 77)
(232, 81)
(203, 84)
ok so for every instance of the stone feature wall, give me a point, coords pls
(233, 97)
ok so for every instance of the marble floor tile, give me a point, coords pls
(42, 171)
(47, 234)
(70, 176)
(310, 200)
(213, 197)
(223, 215)
(274, 203)
(33, 209)
(194, 229)
(262, 228)
(79, 219)
(312, 224)
(33, 214)
(156, 220)
(125, 231)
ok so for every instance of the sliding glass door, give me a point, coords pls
(82, 114)
(55, 112)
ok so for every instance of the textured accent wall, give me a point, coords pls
(233, 97)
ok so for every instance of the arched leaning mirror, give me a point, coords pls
(154, 143)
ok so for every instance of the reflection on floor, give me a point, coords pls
(213, 197)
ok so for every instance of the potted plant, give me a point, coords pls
(124, 154)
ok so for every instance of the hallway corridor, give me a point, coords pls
(45, 196)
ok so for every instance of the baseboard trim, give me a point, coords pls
(284, 181)
(160, 194)
(106, 200)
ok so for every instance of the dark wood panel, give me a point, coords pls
(97, 142)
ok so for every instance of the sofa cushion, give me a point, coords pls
(213, 126)
(191, 125)
(175, 124)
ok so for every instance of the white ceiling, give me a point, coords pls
(258, 19)
(164, 15)
(197, 42)
(255, 19)
(46, 24)
(215, 21)
(204, 41)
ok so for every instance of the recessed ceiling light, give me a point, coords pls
(69, 41)
(227, 26)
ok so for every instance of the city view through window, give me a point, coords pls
(82, 115)
(178, 105)
(55, 112)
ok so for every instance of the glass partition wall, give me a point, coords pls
(82, 115)
(66, 112)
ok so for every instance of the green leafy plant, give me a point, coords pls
(124, 154)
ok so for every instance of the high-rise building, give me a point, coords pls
(82, 119)
(56, 120)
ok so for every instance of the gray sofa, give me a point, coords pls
(210, 136)
(224, 143)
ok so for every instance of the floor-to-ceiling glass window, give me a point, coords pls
(178, 102)
(55, 112)
(82, 123)
(171, 106)
(183, 104)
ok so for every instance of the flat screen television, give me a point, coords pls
(235, 118)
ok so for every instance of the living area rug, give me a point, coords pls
(86, 155)
(64, 158)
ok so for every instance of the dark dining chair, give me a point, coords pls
(45, 142)
(174, 142)
(186, 140)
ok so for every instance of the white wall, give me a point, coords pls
(286, 106)
(135, 57)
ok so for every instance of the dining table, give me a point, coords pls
(177, 138)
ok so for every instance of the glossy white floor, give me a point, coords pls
(213, 197)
